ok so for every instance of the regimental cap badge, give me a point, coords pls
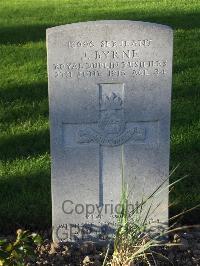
(113, 102)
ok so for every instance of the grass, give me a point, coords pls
(25, 198)
(139, 240)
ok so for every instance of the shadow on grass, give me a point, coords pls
(24, 145)
(23, 34)
(190, 218)
(33, 33)
(186, 193)
(28, 202)
(30, 92)
(22, 103)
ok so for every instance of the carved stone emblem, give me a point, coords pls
(111, 130)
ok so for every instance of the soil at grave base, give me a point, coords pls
(89, 253)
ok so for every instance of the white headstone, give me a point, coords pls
(110, 96)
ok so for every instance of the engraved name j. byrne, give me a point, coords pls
(112, 54)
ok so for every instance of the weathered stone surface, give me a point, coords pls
(109, 94)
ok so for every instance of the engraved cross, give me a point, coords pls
(110, 133)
